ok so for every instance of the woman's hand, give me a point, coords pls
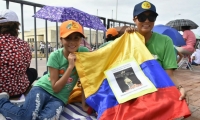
(130, 29)
(71, 59)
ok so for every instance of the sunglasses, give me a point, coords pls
(143, 17)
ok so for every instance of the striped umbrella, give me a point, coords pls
(182, 22)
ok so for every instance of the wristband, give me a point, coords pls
(179, 87)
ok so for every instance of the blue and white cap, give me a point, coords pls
(142, 7)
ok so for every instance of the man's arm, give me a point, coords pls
(170, 72)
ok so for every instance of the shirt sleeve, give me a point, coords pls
(53, 60)
(169, 59)
(185, 35)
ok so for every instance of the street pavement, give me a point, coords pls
(190, 80)
(41, 63)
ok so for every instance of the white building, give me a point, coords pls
(51, 32)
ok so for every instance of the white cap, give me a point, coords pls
(8, 16)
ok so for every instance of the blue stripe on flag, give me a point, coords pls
(104, 97)
(153, 70)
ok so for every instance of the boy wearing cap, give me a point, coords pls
(15, 75)
(160, 46)
(111, 34)
(50, 93)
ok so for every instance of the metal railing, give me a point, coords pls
(117, 23)
(22, 3)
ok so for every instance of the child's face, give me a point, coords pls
(72, 42)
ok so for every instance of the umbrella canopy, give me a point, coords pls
(171, 32)
(182, 22)
(61, 14)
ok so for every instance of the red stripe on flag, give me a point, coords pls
(161, 105)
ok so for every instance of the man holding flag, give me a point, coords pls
(154, 55)
(144, 16)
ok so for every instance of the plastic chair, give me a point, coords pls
(185, 61)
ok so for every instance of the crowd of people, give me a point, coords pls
(48, 95)
(42, 49)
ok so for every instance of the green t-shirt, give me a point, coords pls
(161, 47)
(58, 61)
(104, 44)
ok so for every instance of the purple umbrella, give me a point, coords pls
(61, 14)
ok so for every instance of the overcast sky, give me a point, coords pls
(167, 9)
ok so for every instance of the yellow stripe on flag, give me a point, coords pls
(91, 65)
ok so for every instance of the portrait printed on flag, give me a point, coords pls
(128, 81)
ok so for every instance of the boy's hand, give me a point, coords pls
(130, 29)
(183, 95)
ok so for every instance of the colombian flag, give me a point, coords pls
(163, 104)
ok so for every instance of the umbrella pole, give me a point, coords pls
(90, 38)
(97, 39)
(84, 38)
